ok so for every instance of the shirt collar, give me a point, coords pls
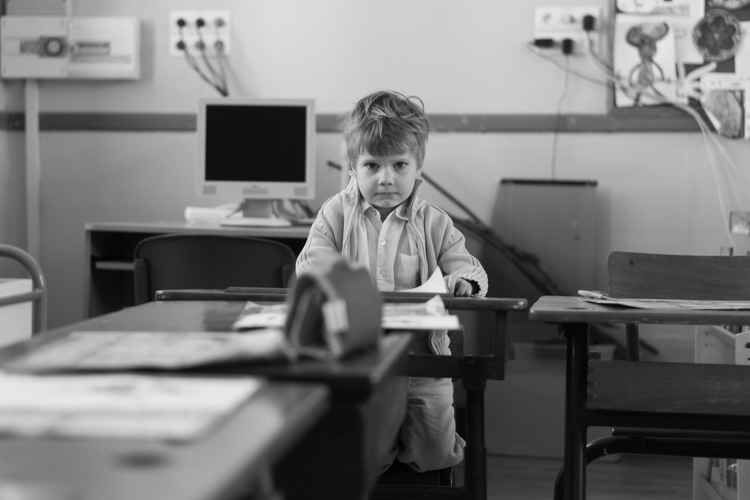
(402, 211)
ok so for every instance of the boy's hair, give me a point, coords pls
(386, 123)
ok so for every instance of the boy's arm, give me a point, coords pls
(459, 265)
(320, 243)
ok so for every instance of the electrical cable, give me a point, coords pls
(193, 64)
(558, 114)
(222, 83)
(704, 128)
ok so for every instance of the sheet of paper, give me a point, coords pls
(165, 350)
(256, 315)
(434, 284)
(600, 298)
(118, 405)
(430, 315)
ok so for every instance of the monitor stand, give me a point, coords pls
(257, 208)
(256, 213)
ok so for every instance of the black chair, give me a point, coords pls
(669, 425)
(205, 261)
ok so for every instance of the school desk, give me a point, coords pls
(108, 252)
(236, 457)
(473, 371)
(587, 397)
(338, 458)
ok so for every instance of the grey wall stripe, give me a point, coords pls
(619, 120)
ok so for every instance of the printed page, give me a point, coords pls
(122, 406)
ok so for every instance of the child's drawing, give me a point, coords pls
(644, 63)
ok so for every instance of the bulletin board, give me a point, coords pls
(688, 52)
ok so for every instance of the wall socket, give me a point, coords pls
(739, 223)
(559, 23)
(214, 33)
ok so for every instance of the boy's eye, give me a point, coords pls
(400, 165)
(371, 166)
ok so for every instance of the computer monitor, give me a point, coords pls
(258, 150)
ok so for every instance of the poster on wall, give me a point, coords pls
(688, 52)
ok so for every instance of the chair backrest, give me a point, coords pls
(205, 261)
(689, 277)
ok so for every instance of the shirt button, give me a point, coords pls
(382, 242)
(382, 273)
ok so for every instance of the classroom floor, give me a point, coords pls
(631, 477)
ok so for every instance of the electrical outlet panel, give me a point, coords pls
(69, 47)
(739, 223)
(196, 30)
(559, 23)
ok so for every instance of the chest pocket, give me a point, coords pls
(406, 271)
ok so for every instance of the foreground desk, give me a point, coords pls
(231, 461)
(108, 268)
(588, 402)
(338, 458)
(472, 370)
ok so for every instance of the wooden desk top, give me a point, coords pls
(212, 468)
(160, 227)
(354, 377)
(558, 309)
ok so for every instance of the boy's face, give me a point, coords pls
(386, 181)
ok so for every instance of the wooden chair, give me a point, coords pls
(667, 422)
(208, 261)
(38, 296)
(472, 370)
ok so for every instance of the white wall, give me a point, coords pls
(656, 191)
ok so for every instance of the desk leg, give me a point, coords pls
(576, 377)
(475, 459)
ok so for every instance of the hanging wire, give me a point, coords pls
(709, 138)
(219, 77)
(558, 115)
(193, 64)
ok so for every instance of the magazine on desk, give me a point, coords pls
(600, 298)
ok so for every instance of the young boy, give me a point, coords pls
(380, 221)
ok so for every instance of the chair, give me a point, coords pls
(205, 261)
(649, 430)
(472, 370)
(38, 296)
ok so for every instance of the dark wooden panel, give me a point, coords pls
(684, 388)
(695, 277)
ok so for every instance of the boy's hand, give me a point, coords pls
(458, 286)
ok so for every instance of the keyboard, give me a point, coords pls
(255, 222)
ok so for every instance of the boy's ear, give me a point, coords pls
(352, 173)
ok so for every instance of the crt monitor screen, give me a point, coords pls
(256, 148)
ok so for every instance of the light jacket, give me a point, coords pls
(440, 244)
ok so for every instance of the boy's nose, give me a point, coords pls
(386, 176)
